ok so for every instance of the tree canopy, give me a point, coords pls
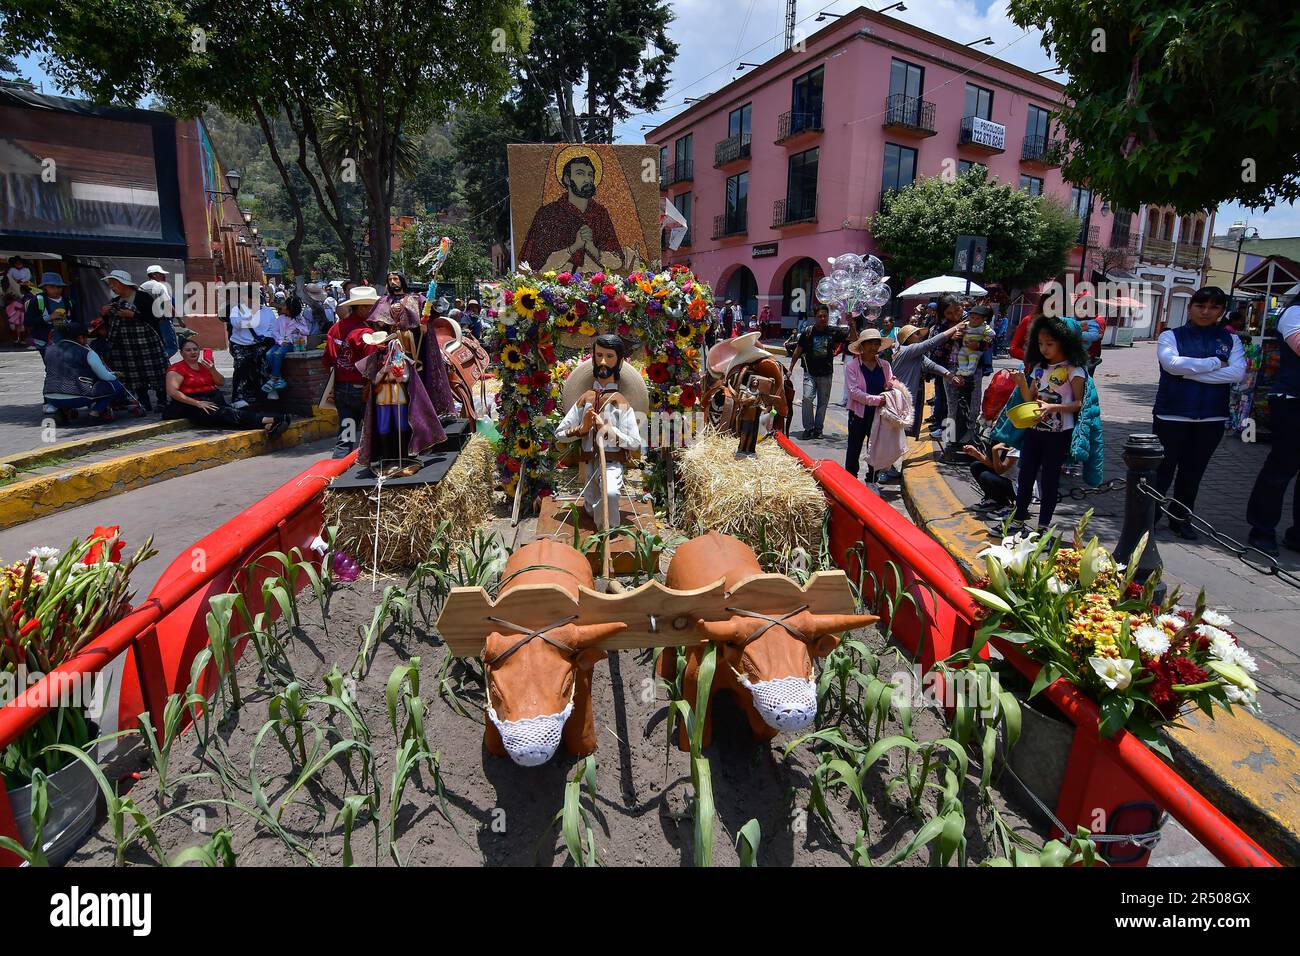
(1029, 237)
(1190, 103)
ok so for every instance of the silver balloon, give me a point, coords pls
(878, 297)
(874, 264)
(826, 290)
(840, 276)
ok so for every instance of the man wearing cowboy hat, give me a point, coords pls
(160, 305)
(343, 349)
(816, 348)
(47, 310)
(471, 320)
(604, 410)
(575, 231)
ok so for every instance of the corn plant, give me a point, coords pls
(407, 760)
(221, 610)
(576, 820)
(453, 675)
(393, 604)
(747, 841)
(693, 718)
(288, 712)
(353, 807)
(40, 811)
(219, 851)
(160, 740)
(1055, 853)
(261, 809)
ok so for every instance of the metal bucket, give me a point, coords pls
(74, 797)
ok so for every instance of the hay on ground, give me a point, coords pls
(739, 496)
(407, 517)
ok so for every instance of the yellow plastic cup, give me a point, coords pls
(1025, 415)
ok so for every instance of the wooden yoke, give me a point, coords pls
(656, 615)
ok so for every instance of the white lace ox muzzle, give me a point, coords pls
(786, 703)
(533, 740)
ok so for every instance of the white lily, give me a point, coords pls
(1013, 553)
(1056, 585)
(1115, 673)
(1215, 619)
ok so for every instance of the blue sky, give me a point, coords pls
(714, 35)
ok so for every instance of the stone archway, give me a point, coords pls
(797, 281)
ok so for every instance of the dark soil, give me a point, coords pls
(504, 814)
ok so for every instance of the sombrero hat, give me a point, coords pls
(378, 337)
(631, 384)
(361, 295)
(741, 350)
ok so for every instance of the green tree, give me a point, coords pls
(328, 265)
(1186, 102)
(467, 261)
(1029, 237)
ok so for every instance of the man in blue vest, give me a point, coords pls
(1199, 364)
(75, 377)
(1264, 509)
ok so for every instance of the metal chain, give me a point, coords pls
(1078, 494)
(1266, 563)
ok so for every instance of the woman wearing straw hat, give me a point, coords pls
(866, 379)
(135, 348)
(910, 359)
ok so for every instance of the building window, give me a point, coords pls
(797, 288)
(737, 203)
(906, 79)
(683, 149)
(801, 186)
(806, 102)
(1119, 231)
(1036, 127)
(1032, 185)
(683, 203)
(665, 176)
(738, 121)
(979, 102)
(964, 166)
(900, 167)
(1080, 201)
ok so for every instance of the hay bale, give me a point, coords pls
(408, 516)
(738, 496)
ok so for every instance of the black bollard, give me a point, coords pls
(1142, 455)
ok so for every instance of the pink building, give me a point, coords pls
(785, 166)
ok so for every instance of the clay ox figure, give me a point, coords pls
(766, 666)
(603, 413)
(746, 390)
(539, 681)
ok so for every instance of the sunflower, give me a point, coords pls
(526, 302)
(586, 328)
(685, 337)
(512, 357)
(524, 446)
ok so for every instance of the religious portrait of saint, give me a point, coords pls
(589, 218)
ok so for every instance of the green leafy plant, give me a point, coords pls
(747, 841)
(288, 711)
(576, 820)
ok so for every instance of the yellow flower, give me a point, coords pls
(586, 328)
(511, 357)
(524, 447)
(526, 302)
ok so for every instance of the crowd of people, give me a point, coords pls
(953, 341)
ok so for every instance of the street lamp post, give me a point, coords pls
(1232, 289)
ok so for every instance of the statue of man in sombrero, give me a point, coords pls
(575, 232)
(608, 396)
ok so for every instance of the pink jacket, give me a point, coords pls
(888, 438)
(857, 386)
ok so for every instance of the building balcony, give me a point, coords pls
(679, 172)
(1042, 152)
(1156, 251)
(983, 135)
(793, 212)
(733, 149)
(735, 222)
(795, 127)
(909, 114)
(1189, 255)
(1089, 235)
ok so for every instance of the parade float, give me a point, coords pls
(527, 666)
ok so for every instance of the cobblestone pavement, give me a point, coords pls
(1266, 609)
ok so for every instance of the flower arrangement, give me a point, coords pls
(51, 606)
(535, 314)
(1082, 616)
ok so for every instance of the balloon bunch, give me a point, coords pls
(854, 285)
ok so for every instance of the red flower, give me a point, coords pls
(540, 315)
(609, 290)
(688, 398)
(580, 308)
(1134, 590)
(658, 372)
(548, 354)
(509, 296)
(105, 536)
(513, 465)
(564, 278)
(598, 278)
(541, 377)
(521, 416)
(548, 406)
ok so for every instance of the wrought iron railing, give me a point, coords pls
(733, 222)
(791, 210)
(1042, 150)
(792, 124)
(731, 149)
(909, 112)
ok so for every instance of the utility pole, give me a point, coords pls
(789, 23)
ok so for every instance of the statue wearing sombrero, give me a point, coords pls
(400, 420)
(575, 232)
(746, 391)
(605, 397)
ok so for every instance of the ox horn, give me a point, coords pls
(836, 623)
(585, 635)
(724, 632)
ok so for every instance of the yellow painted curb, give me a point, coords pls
(91, 443)
(1243, 766)
(46, 494)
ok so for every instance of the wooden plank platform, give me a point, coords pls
(556, 521)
